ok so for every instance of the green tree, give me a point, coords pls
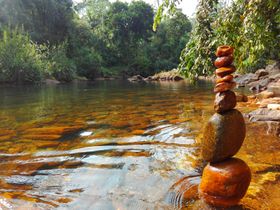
(59, 65)
(198, 55)
(46, 21)
(21, 60)
(86, 50)
(94, 11)
(165, 8)
(253, 28)
(128, 28)
(169, 40)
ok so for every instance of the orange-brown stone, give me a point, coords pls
(223, 61)
(224, 86)
(224, 50)
(227, 78)
(223, 71)
(224, 101)
(225, 183)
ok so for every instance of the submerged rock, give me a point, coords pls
(265, 94)
(241, 97)
(224, 101)
(264, 114)
(225, 183)
(223, 136)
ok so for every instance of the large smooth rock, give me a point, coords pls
(245, 79)
(259, 85)
(225, 183)
(223, 136)
(224, 101)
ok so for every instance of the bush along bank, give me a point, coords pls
(23, 62)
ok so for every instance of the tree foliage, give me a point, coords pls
(197, 57)
(94, 38)
(21, 61)
(165, 8)
(251, 26)
(45, 21)
(169, 40)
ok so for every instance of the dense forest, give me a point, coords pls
(96, 38)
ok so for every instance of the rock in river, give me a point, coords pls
(223, 136)
(224, 101)
(225, 183)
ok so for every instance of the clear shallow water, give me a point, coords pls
(116, 145)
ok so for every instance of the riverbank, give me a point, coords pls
(265, 86)
(171, 75)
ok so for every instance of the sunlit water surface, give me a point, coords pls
(116, 145)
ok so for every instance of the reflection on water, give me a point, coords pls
(115, 145)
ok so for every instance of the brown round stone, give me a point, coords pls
(223, 136)
(224, 50)
(224, 86)
(224, 101)
(223, 71)
(227, 78)
(225, 183)
(223, 61)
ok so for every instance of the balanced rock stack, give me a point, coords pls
(225, 180)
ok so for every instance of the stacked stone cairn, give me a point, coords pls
(225, 179)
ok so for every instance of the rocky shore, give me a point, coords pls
(172, 75)
(265, 85)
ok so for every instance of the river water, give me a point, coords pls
(117, 145)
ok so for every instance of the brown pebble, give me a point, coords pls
(224, 101)
(224, 86)
(223, 71)
(227, 78)
(223, 61)
(224, 50)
